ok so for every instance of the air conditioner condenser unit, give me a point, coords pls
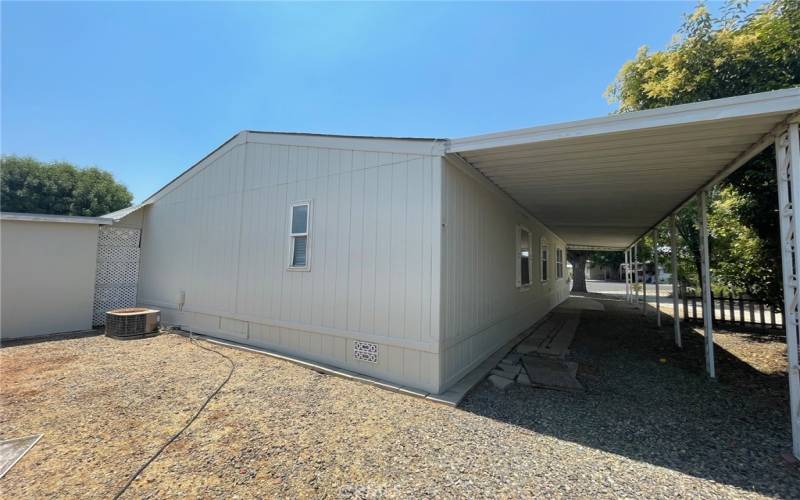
(132, 322)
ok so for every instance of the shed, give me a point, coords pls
(48, 273)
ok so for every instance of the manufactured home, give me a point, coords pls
(382, 256)
(412, 260)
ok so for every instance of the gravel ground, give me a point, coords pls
(643, 428)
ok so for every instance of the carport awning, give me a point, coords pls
(602, 183)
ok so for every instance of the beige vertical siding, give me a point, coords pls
(222, 236)
(482, 308)
(48, 271)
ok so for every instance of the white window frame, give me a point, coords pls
(517, 254)
(293, 236)
(559, 263)
(544, 263)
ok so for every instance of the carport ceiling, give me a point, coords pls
(604, 182)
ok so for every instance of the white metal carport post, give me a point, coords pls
(627, 277)
(644, 286)
(708, 307)
(656, 277)
(635, 273)
(676, 312)
(787, 153)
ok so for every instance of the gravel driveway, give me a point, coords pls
(643, 428)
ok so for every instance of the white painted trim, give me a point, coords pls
(69, 219)
(307, 234)
(778, 101)
(437, 321)
(423, 147)
(523, 287)
(544, 248)
(560, 263)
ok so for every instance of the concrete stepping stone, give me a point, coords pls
(501, 383)
(551, 373)
(508, 371)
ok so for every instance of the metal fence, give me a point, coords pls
(734, 311)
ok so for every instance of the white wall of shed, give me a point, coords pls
(482, 308)
(221, 235)
(47, 277)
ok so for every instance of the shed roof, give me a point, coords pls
(122, 213)
(71, 219)
(604, 182)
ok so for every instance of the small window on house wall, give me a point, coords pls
(559, 263)
(545, 257)
(300, 221)
(523, 257)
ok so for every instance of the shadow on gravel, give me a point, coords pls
(651, 402)
(51, 338)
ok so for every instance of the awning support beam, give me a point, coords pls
(676, 311)
(644, 286)
(627, 275)
(708, 307)
(766, 141)
(787, 155)
(636, 273)
(657, 277)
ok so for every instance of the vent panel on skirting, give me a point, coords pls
(365, 351)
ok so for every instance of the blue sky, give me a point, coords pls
(146, 89)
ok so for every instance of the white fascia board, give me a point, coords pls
(425, 147)
(763, 103)
(730, 168)
(595, 248)
(70, 219)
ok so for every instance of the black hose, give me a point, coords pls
(190, 422)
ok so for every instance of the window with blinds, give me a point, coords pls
(298, 235)
(559, 263)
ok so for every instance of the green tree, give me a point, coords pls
(28, 185)
(712, 58)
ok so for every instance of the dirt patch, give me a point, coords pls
(14, 369)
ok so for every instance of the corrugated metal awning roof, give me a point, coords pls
(604, 182)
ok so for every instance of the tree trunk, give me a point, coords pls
(578, 260)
